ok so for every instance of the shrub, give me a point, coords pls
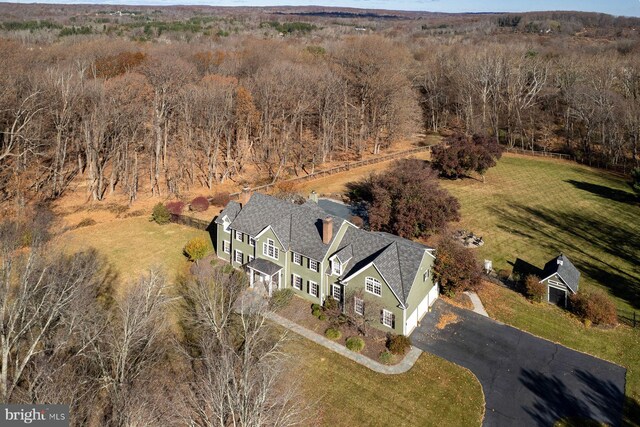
(386, 357)
(322, 316)
(398, 344)
(280, 298)
(357, 221)
(316, 312)
(333, 334)
(594, 306)
(199, 204)
(161, 214)
(533, 289)
(196, 249)
(315, 307)
(220, 199)
(355, 344)
(86, 222)
(456, 267)
(330, 304)
(176, 207)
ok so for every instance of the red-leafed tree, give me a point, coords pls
(460, 155)
(456, 267)
(407, 200)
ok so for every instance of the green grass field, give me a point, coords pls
(432, 393)
(133, 245)
(534, 208)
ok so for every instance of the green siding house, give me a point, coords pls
(285, 245)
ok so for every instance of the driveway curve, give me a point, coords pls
(527, 381)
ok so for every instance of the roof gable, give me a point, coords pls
(298, 227)
(397, 259)
(230, 211)
(564, 268)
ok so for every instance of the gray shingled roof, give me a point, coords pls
(344, 254)
(397, 259)
(298, 227)
(264, 266)
(231, 211)
(565, 269)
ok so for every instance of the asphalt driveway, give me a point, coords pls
(527, 381)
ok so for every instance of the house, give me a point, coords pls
(561, 278)
(284, 245)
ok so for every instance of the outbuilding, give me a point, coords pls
(561, 278)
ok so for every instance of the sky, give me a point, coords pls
(613, 7)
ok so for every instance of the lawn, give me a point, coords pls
(433, 393)
(533, 209)
(133, 245)
(619, 345)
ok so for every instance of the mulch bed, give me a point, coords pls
(299, 311)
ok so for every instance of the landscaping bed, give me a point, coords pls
(299, 311)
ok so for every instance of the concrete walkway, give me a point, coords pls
(402, 367)
(477, 304)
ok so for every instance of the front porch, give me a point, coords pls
(264, 275)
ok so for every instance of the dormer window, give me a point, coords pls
(225, 224)
(336, 267)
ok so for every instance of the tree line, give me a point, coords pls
(124, 117)
(167, 120)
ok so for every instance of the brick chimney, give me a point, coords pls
(244, 196)
(327, 230)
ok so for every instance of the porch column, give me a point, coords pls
(250, 277)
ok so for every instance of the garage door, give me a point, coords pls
(412, 322)
(557, 296)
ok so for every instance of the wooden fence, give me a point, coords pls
(200, 224)
(540, 153)
(338, 169)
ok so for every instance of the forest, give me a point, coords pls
(174, 100)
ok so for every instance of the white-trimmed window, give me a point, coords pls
(239, 236)
(372, 286)
(237, 256)
(252, 242)
(269, 249)
(336, 267)
(336, 292)
(296, 281)
(313, 265)
(386, 318)
(296, 258)
(226, 246)
(426, 275)
(358, 306)
(313, 289)
(249, 258)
